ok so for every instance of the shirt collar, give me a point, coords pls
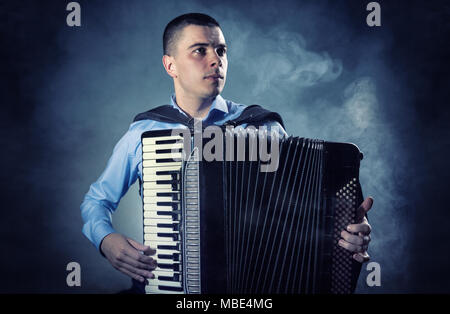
(218, 104)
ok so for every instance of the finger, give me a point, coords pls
(366, 238)
(136, 271)
(137, 264)
(133, 251)
(131, 274)
(147, 250)
(138, 256)
(362, 210)
(361, 257)
(351, 238)
(350, 246)
(363, 228)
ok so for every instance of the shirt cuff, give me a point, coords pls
(101, 230)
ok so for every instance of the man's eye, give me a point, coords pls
(221, 51)
(200, 50)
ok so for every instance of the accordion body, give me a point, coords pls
(226, 226)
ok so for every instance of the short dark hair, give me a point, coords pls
(172, 29)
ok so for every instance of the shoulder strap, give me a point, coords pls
(252, 115)
(255, 115)
(165, 113)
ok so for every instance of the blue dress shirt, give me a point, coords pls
(125, 166)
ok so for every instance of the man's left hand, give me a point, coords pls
(357, 236)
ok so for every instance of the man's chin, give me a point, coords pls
(213, 93)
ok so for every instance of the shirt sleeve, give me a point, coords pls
(104, 194)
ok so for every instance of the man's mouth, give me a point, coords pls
(214, 77)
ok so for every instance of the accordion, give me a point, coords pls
(223, 218)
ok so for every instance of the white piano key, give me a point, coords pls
(156, 238)
(157, 156)
(153, 140)
(155, 199)
(167, 283)
(154, 170)
(153, 147)
(152, 206)
(156, 221)
(167, 252)
(169, 265)
(160, 219)
(154, 244)
(159, 186)
(155, 193)
(165, 272)
(152, 229)
(161, 165)
(158, 277)
(154, 214)
(156, 177)
(166, 208)
(152, 202)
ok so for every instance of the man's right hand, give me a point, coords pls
(128, 256)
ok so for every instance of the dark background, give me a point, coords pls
(69, 94)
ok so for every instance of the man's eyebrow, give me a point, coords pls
(205, 45)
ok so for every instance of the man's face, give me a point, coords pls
(200, 61)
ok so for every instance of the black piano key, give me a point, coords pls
(173, 213)
(164, 160)
(175, 266)
(167, 193)
(169, 247)
(161, 142)
(174, 236)
(168, 172)
(176, 277)
(166, 181)
(175, 257)
(168, 151)
(175, 195)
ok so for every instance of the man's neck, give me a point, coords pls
(193, 106)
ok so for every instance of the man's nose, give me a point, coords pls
(215, 61)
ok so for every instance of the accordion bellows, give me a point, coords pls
(226, 225)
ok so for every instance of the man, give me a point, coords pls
(195, 57)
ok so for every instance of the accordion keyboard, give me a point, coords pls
(162, 205)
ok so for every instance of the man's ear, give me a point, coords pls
(169, 65)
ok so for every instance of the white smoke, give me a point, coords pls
(361, 102)
(277, 61)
